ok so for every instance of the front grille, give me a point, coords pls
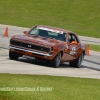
(31, 46)
(15, 43)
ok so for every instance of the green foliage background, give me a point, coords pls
(79, 16)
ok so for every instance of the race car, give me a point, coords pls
(52, 44)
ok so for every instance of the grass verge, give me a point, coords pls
(49, 88)
(95, 47)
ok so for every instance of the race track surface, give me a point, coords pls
(90, 68)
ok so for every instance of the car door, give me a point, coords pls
(73, 47)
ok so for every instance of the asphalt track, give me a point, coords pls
(90, 67)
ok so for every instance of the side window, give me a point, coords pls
(72, 37)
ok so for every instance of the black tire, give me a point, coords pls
(78, 62)
(56, 61)
(12, 56)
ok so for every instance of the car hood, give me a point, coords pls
(37, 40)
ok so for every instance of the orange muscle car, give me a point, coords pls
(48, 43)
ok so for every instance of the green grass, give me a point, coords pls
(62, 88)
(94, 47)
(79, 16)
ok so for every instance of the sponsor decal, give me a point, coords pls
(73, 51)
(47, 29)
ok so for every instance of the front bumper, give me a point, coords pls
(30, 51)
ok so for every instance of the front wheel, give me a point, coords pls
(12, 56)
(78, 62)
(56, 61)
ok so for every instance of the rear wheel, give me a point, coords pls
(56, 61)
(12, 56)
(78, 62)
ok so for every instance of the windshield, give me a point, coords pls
(48, 33)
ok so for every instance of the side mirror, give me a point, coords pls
(74, 42)
(25, 32)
